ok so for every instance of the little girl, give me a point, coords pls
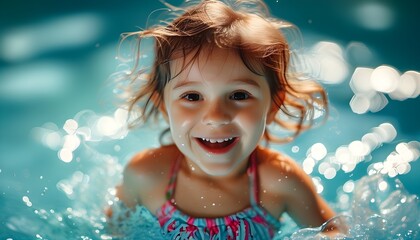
(220, 76)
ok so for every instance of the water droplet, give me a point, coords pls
(348, 187)
(27, 201)
(383, 185)
(330, 173)
(117, 148)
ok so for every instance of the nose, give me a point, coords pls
(217, 113)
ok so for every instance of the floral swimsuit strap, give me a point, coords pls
(170, 188)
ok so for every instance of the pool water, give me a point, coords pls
(374, 204)
(63, 141)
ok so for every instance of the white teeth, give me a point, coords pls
(216, 140)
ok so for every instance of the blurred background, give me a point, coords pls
(56, 58)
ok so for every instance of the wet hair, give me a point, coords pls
(242, 26)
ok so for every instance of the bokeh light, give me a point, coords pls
(35, 81)
(326, 63)
(347, 157)
(370, 86)
(384, 79)
(64, 32)
(374, 15)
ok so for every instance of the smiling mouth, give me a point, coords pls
(217, 146)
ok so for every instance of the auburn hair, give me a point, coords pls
(243, 26)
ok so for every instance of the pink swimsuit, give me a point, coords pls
(252, 223)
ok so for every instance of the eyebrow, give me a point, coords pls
(248, 81)
(184, 83)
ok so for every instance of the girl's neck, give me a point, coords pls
(189, 168)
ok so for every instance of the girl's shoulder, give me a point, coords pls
(275, 160)
(278, 171)
(153, 160)
(147, 174)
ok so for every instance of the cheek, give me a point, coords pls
(177, 116)
(253, 118)
(180, 118)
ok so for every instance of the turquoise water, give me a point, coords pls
(58, 163)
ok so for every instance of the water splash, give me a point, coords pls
(84, 218)
(374, 212)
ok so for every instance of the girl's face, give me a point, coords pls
(217, 111)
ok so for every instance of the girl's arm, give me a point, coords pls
(128, 199)
(145, 178)
(305, 205)
(293, 190)
(127, 191)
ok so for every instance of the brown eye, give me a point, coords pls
(192, 97)
(239, 96)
